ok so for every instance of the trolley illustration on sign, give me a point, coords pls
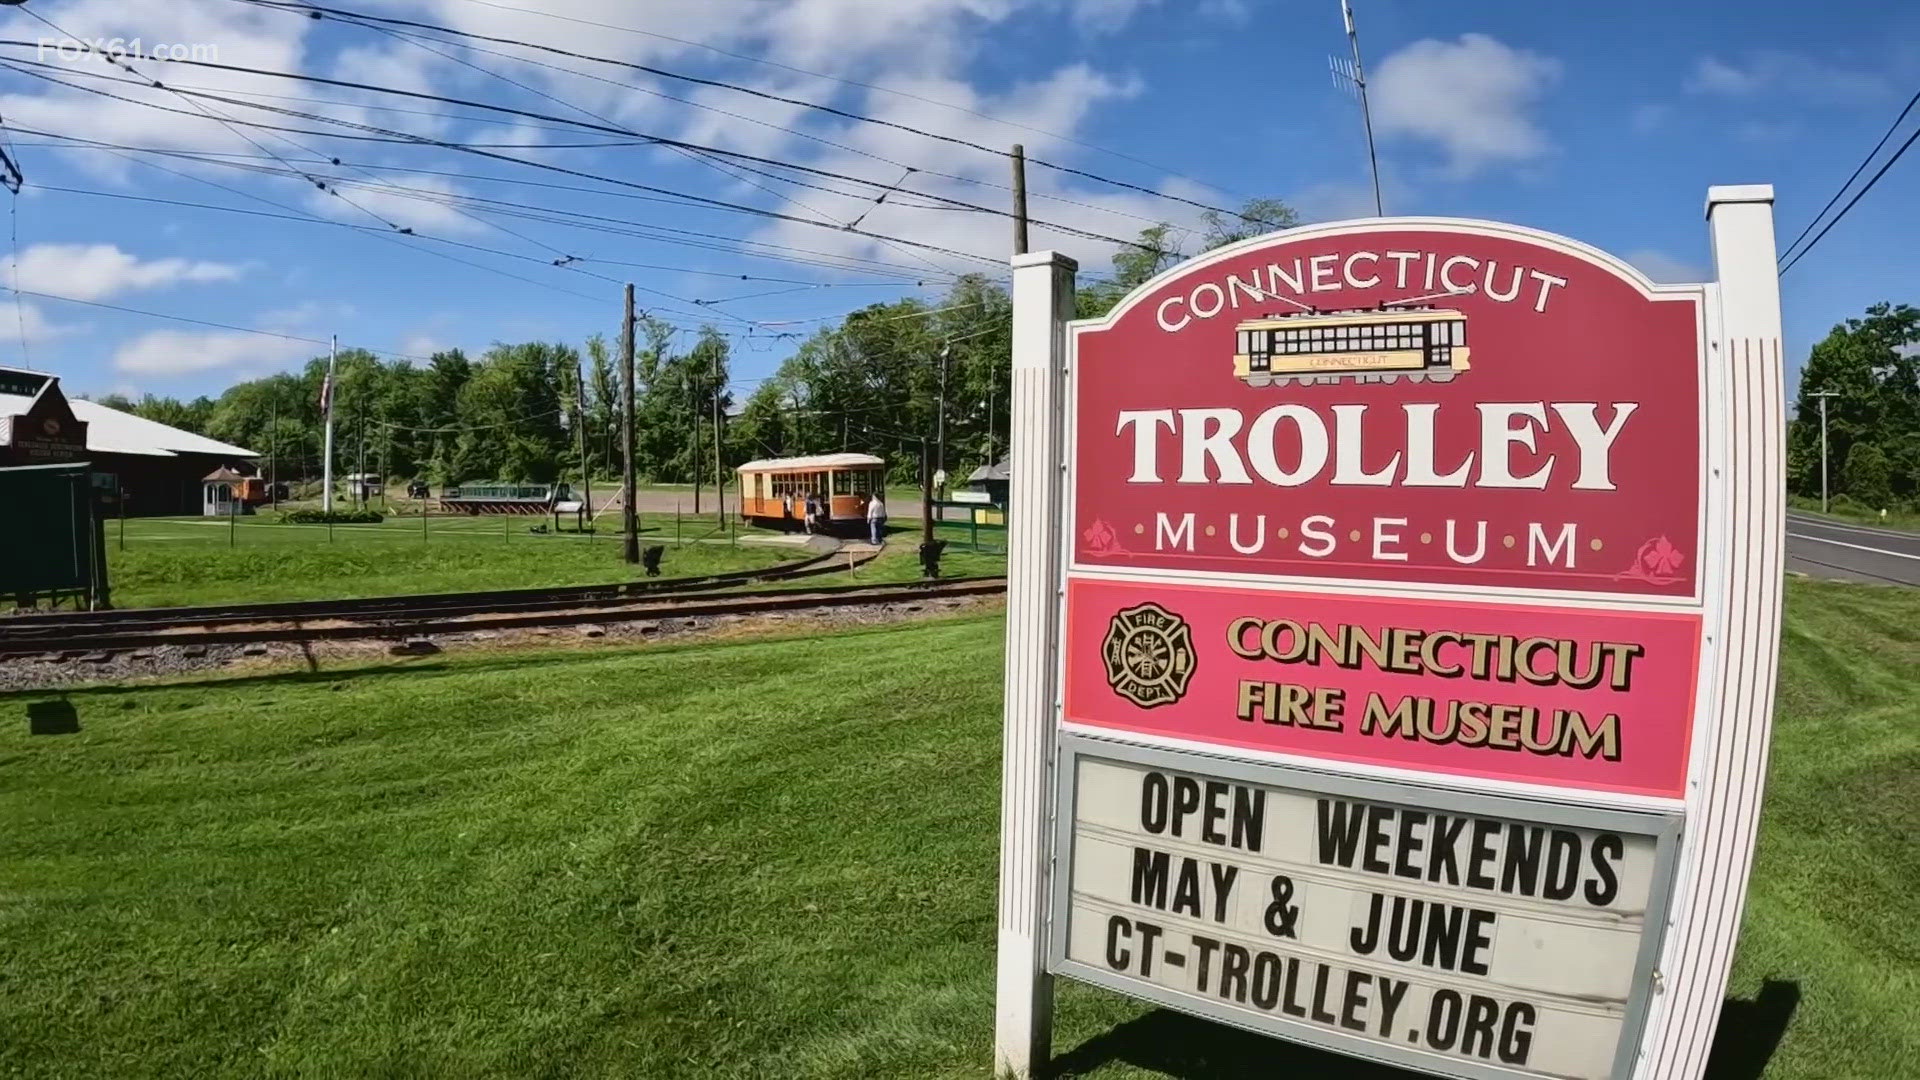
(1369, 345)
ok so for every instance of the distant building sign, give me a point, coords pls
(1418, 621)
(46, 432)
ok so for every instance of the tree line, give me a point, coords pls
(880, 381)
(1871, 368)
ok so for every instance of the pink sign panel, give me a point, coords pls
(1600, 700)
(1422, 404)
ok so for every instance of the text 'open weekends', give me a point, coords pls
(1439, 931)
(1446, 407)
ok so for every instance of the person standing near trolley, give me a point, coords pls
(877, 517)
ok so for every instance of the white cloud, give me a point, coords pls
(1766, 131)
(1773, 72)
(20, 318)
(1711, 76)
(1106, 16)
(97, 271)
(1231, 12)
(1058, 103)
(422, 345)
(1664, 268)
(306, 315)
(1470, 99)
(186, 352)
(1338, 200)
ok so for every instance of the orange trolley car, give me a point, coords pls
(844, 480)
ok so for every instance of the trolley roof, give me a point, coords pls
(1349, 317)
(817, 461)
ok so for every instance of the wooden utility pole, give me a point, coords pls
(1019, 200)
(693, 454)
(631, 517)
(360, 463)
(273, 453)
(580, 421)
(940, 459)
(719, 478)
(926, 496)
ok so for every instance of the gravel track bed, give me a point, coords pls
(50, 671)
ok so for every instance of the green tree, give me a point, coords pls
(1871, 367)
(1868, 477)
(1157, 250)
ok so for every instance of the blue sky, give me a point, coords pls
(1603, 122)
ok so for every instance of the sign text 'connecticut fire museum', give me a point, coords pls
(1391, 643)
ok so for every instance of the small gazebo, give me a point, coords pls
(220, 493)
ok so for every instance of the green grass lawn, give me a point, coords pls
(168, 561)
(755, 858)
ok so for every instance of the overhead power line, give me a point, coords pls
(888, 90)
(693, 238)
(425, 140)
(1858, 195)
(1787, 257)
(706, 107)
(612, 129)
(196, 322)
(213, 114)
(317, 10)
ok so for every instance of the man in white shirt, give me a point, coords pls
(877, 517)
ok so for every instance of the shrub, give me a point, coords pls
(338, 517)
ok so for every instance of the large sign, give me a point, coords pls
(1415, 606)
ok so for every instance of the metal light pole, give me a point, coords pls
(1823, 396)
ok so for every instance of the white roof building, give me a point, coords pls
(111, 431)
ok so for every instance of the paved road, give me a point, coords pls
(1829, 549)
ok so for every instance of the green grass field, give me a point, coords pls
(168, 561)
(752, 858)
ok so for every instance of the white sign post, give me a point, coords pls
(1391, 644)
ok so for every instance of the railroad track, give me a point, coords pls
(25, 635)
(406, 606)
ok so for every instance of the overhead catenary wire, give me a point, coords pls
(613, 129)
(1858, 195)
(697, 239)
(1787, 254)
(197, 322)
(491, 205)
(428, 45)
(891, 91)
(708, 107)
(213, 114)
(318, 10)
(426, 140)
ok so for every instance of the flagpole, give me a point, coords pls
(1366, 113)
(326, 408)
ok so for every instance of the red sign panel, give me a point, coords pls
(1584, 699)
(1431, 404)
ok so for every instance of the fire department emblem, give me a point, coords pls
(1149, 655)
